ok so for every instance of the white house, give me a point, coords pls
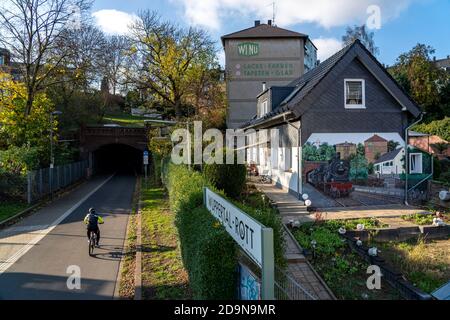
(390, 163)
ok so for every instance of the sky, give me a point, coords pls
(398, 25)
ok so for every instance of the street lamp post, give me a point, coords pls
(52, 158)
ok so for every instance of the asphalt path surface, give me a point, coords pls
(45, 271)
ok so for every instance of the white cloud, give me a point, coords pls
(221, 57)
(114, 22)
(326, 13)
(326, 47)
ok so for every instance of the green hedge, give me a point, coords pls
(230, 178)
(209, 254)
(269, 218)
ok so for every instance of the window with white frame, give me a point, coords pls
(264, 108)
(355, 93)
(415, 163)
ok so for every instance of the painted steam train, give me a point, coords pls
(332, 178)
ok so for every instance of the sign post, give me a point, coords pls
(254, 238)
(145, 163)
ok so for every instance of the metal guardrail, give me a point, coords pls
(41, 182)
(286, 288)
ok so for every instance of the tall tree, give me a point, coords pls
(30, 30)
(115, 61)
(167, 60)
(361, 33)
(423, 80)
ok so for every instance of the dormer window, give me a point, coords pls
(264, 108)
(355, 94)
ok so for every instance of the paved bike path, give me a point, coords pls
(36, 253)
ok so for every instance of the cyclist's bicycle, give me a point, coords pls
(92, 242)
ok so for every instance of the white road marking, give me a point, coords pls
(13, 230)
(11, 260)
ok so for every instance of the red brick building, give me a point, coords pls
(375, 147)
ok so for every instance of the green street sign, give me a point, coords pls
(248, 49)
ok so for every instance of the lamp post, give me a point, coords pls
(52, 159)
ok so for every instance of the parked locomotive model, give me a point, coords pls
(332, 178)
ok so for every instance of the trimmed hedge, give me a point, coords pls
(230, 178)
(269, 218)
(208, 251)
(209, 254)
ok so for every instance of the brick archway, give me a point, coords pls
(92, 138)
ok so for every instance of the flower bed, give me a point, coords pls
(344, 271)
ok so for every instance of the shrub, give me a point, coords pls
(268, 217)
(437, 169)
(208, 252)
(12, 186)
(19, 160)
(358, 168)
(230, 178)
(440, 128)
(209, 255)
(445, 178)
(185, 188)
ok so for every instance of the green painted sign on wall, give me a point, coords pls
(248, 49)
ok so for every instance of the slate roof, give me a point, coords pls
(263, 31)
(389, 156)
(304, 84)
(312, 78)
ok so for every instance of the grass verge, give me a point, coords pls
(163, 274)
(124, 119)
(9, 209)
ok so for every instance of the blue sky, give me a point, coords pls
(404, 23)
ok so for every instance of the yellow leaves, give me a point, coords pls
(16, 127)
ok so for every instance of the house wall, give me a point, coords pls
(285, 174)
(281, 160)
(374, 149)
(278, 62)
(325, 106)
(396, 168)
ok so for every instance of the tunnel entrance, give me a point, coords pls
(119, 158)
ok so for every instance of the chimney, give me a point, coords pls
(257, 23)
(264, 86)
(269, 22)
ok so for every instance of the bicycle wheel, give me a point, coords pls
(91, 243)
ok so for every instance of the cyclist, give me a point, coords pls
(93, 220)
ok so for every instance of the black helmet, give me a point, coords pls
(92, 210)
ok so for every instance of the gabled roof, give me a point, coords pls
(389, 156)
(263, 31)
(306, 83)
(376, 138)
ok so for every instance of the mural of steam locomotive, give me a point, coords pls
(332, 178)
